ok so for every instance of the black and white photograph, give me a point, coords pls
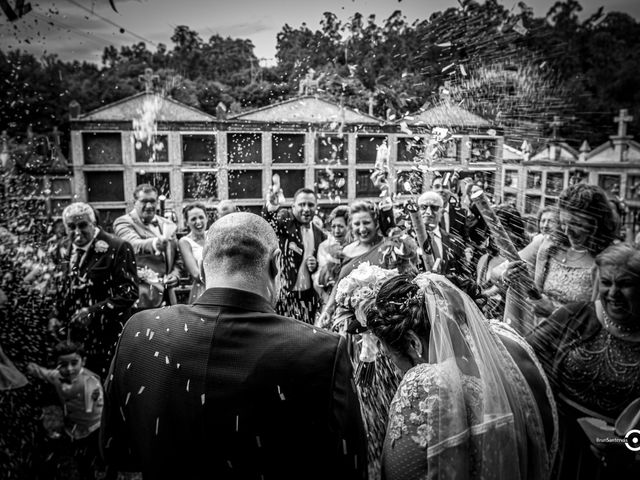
(300, 240)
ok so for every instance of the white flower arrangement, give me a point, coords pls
(360, 286)
(101, 246)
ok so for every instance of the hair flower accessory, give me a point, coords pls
(101, 246)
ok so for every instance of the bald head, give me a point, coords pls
(239, 244)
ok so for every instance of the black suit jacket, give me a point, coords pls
(287, 229)
(227, 389)
(107, 285)
(452, 255)
(457, 223)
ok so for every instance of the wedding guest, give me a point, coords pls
(154, 242)
(547, 221)
(563, 265)
(98, 287)
(81, 396)
(227, 388)
(453, 216)
(192, 244)
(330, 252)
(591, 353)
(473, 402)
(369, 246)
(443, 246)
(299, 240)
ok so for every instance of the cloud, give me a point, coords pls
(246, 28)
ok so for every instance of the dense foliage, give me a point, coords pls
(505, 64)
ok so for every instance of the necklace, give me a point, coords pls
(581, 252)
(622, 331)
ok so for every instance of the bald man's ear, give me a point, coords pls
(274, 263)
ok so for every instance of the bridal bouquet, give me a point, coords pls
(354, 295)
(361, 286)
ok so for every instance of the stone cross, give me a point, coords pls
(555, 125)
(622, 121)
(148, 79)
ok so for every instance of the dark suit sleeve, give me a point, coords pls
(346, 420)
(278, 219)
(123, 286)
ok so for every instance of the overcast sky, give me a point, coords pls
(80, 29)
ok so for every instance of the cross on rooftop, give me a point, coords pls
(622, 121)
(148, 79)
(555, 125)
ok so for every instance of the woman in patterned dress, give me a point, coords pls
(591, 353)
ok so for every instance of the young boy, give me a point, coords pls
(81, 394)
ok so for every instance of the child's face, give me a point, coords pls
(70, 365)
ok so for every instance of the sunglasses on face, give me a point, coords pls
(434, 208)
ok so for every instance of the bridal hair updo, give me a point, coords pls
(400, 308)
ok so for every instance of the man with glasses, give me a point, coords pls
(447, 253)
(154, 242)
(453, 217)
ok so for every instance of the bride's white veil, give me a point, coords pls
(485, 422)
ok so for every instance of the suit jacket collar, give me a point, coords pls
(92, 256)
(232, 297)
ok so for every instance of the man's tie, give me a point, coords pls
(434, 246)
(76, 257)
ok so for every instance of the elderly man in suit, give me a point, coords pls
(453, 217)
(99, 285)
(154, 242)
(299, 240)
(440, 244)
(226, 388)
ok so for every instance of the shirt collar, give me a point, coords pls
(232, 297)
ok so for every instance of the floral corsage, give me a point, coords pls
(101, 246)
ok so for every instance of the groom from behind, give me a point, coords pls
(226, 388)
